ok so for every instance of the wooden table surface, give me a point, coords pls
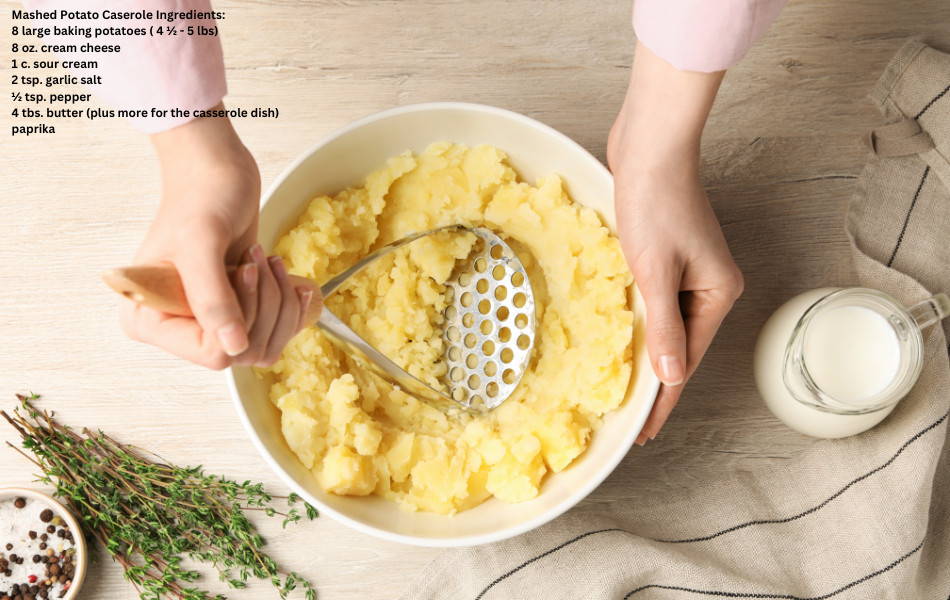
(781, 149)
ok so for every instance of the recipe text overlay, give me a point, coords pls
(58, 59)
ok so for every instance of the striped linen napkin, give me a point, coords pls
(862, 517)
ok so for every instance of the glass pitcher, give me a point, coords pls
(834, 362)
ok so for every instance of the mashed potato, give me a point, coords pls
(360, 436)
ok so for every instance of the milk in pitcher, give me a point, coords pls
(832, 363)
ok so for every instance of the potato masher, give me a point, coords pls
(488, 327)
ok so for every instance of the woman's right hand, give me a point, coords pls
(206, 221)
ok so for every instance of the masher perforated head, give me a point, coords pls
(489, 321)
(489, 324)
(488, 330)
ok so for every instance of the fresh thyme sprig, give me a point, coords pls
(148, 515)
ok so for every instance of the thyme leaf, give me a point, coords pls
(148, 513)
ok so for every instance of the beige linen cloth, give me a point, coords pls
(863, 517)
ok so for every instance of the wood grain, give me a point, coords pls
(781, 156)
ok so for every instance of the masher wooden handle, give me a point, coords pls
(158, 286)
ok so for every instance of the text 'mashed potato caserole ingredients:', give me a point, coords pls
(360, 436)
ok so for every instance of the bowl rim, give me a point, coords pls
(604, 469)
(82, 550)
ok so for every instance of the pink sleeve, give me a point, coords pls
(702, 35)
(161, 72)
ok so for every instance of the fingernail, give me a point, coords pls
(250, 277)
(257, 253)
(671, 370)
(277, 266)
(233, 339)
(305, 295)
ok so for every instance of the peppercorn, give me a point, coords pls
(13, 557)
(19, 502)
(37, 558)
(46, 516)
(9, 546)
(44, 537)
(42, 545)
(50, 528)
(32, 535)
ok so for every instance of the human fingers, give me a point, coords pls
(181, 336)
(209, 292)
(659, 283)
(306, 297)
(244, 281)
(666, 340)
(268, 308)
(288, 317)
(703, 312)
(665, 401)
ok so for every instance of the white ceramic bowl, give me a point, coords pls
(81, 556)
(344, 159)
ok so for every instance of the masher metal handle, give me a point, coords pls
(488, 347)
(159, 286)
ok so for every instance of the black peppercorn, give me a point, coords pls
(50, 528)
(46, 516)
(19, 502)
